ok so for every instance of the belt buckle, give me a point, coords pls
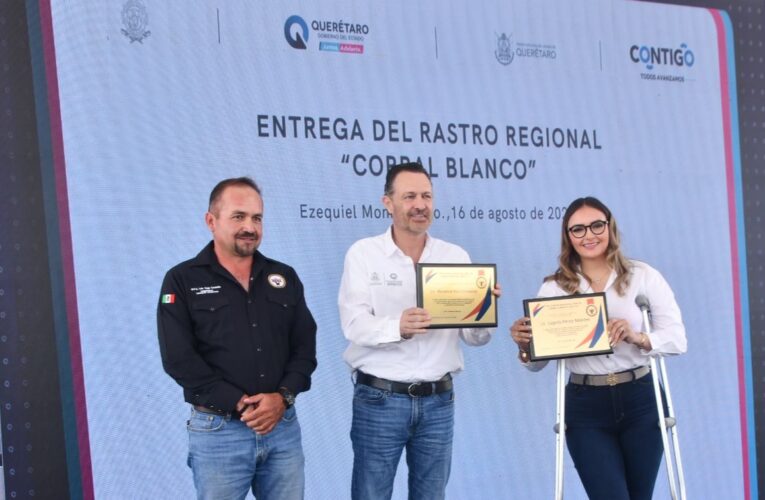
(413, 387)
(612, 379)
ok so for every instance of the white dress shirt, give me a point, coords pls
(667, 331)
(378, 284)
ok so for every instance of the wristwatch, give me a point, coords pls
(287, 397)
(523, 355)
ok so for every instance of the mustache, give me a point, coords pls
(247, 234)
(419, 211)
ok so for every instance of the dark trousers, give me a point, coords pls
(613, 436)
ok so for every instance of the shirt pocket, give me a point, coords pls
(281, 309)
(210, 316)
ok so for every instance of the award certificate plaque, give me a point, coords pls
(565, 327)
(458, 295)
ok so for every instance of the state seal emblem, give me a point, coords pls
(135, 20)
(504, 52)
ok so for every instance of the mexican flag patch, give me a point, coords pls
(168, 298)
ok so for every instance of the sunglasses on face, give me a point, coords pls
(580, 230)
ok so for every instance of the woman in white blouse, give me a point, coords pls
(612, 431)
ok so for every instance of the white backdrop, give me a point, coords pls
(152, 122)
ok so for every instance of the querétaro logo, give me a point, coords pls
(135, 20)
(662, 56)
(504, 52)
(333, 36)
(296, 38)
(508, 50)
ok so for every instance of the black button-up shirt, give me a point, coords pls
(219, 341)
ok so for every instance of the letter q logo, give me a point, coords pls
(293, 36)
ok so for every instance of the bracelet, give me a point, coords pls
(643, 341)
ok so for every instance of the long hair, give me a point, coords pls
(569, 262)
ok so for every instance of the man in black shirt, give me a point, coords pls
(235, 332)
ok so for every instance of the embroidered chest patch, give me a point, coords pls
(277, 280)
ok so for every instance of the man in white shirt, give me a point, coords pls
(403, 397)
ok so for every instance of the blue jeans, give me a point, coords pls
(383, 425)
(227, 458)
(614, 439)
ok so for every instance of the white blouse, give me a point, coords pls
(667, 330)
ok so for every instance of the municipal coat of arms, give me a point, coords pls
(504, 52)
(135, 20)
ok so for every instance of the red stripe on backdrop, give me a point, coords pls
(722, 51)
(67, 260)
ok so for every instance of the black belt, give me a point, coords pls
(233, 415)
(413, 389)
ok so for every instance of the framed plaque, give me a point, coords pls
(570, 326)
(458, 295)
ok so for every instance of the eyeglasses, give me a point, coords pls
(580, 230)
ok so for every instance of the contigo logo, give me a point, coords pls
(662, 56)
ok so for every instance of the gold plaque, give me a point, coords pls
(458, 295)
(564, 327)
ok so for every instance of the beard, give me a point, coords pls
(246, 248)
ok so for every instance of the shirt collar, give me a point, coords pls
(390, 247)
(207, 258)
(585, 286)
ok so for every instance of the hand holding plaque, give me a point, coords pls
(564, 327)
(458, 295)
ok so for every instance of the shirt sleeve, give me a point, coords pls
(302, 360)
(667, 330)
(178, 348)
(358, 320)
(476, 336)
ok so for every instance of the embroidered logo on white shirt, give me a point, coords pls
(392, 280)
